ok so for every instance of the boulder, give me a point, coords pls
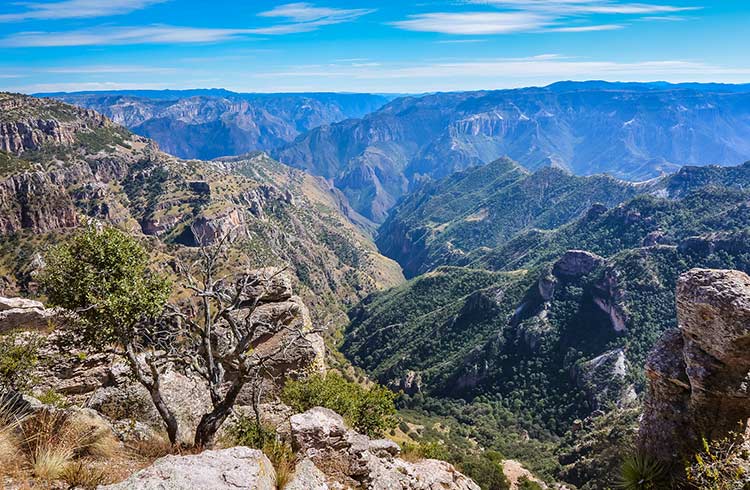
(351, 459)
(24, 314)
(307, 476)
(698, 374)
(126, 399)
(226, 469)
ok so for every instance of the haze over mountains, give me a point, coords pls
(375, 154)
(212, 123)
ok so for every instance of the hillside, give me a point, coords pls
(62, 165)
(630, 131)
(553, 325)
(207, 124)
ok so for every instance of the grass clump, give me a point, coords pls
(247, 432)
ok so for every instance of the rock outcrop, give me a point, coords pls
(577, 263)
(346, 457)
(698, 374)
(226, 469)
(24, 314)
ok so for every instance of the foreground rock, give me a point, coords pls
(698, 374)
(237, 467)
(24, 314)
(351, 459)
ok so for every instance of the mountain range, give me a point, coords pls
(630, 131)
(212, 123)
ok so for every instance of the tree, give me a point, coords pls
(101, 277)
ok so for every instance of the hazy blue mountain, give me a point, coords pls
(630, 131)
(209, 123)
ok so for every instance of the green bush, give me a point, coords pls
(720, 466)
(526, 484)
(103, 276)
(370, 411)
(18, 356)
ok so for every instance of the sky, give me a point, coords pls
(379, 46)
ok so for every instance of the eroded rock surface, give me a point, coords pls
(699, 374)
(234, 468)
(351, 459)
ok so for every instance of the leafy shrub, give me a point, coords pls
(103, 276)
(524, 483)
(720, 466)
(641, 471)
(370, 411)
(424, 450)
(52, 397)
(18, 356)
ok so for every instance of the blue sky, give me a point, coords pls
(366, 45)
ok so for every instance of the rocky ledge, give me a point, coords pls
(698, 374)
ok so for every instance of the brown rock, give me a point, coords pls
(698, 375)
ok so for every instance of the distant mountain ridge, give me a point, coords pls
(630, 131)
(210, 123)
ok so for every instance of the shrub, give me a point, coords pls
(370, 411)
(18, 356)
(524, 483)
(720, 466)
(52, 397)
(246, 432)
(642, 472)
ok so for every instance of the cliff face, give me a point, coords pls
(23, 125)
(698, 374)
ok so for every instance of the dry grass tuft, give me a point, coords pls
(84, 475)
(151, 448)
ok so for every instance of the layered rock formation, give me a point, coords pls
(698, 374)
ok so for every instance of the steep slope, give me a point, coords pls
(483, 207)
(212, 123)
(558, 325)
(630, 131)
(63, 165)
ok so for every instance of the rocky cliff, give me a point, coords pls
(698, 373)
(77, 165)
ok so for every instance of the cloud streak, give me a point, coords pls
(533, 16)
(76, 9)
(299, 17)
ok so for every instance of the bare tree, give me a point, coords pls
(222, 340)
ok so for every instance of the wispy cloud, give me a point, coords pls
(592, 28)
(584, 6)
(158, 34)
(304, 17)
(473, 23)
(514, 16)
(75, 9)
(300, 17)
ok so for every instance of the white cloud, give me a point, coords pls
(303, 17)
(474, 23)
(584, 6)
(593, 28)
(76, 9)
(306, 12)
(533, 16)
(156, 34)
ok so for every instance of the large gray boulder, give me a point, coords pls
(226, 469)
(351, 459)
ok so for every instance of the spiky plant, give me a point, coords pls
(641, 471)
